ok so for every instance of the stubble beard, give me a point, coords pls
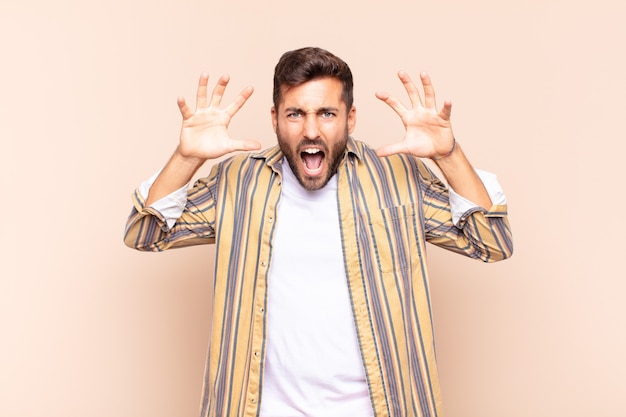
(333, 158)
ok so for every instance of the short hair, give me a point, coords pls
(306, 64)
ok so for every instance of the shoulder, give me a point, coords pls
(393, 167)
(367, 156)
(247, 159)
(246, 165)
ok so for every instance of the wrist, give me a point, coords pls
(190, 161)
(452, 149)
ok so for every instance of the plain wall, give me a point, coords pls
(88, 110)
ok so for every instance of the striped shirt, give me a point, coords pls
(388, 209)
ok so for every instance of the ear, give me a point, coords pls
(351, 120)
(274, 118)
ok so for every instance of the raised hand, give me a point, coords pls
(428, 130)
(204, 133)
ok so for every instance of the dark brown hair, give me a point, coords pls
(306, 64)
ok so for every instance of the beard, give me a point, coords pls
(332, 158)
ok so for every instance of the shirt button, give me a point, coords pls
(262, 310)
(270, 219)
(256, 354)
(263, 263)
(253, 400)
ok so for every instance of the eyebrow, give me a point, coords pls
(320, 110)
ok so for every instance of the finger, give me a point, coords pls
(202, 90)
(244, 145)
(429, 91)
(391, 102)
(185, 111)
(446, 110)
(410, 88)
(218, 91)
(391, 149)
(239, 101)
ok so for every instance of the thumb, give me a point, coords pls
(245, 145)
(391, 149)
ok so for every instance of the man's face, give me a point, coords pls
(312, 125)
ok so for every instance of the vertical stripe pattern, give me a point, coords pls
(388, 207)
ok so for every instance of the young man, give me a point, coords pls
(321, 301)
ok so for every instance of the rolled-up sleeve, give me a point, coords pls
(182, 218)
(462, 207)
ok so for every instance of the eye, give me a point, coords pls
(294, 115)
(328, 114)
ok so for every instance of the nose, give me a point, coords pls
(311, 126)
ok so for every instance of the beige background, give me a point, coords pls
(88, 110)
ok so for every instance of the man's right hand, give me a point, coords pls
(204, 133)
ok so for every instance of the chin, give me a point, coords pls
(312, 183)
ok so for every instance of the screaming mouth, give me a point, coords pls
(312, 158)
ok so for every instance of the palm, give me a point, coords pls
(204, 133)
(428, 130)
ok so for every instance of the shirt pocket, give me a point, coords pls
(392, 237)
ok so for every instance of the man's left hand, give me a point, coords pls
(428, 130)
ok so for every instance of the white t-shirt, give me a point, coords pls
(313, 364)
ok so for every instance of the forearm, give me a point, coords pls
(178, 172)
(182, 218)
(453, 222)
(462, 177)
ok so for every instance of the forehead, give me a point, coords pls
(321, 92)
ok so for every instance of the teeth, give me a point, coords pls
(311, 151)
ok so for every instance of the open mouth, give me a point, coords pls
(312, 159)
